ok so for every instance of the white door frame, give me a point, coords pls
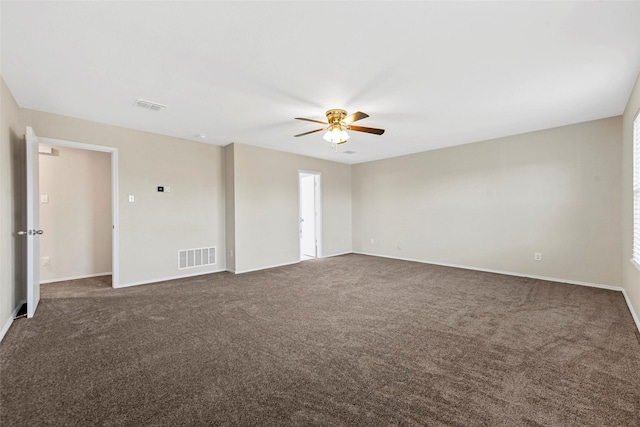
(115, 241)
(318, 194)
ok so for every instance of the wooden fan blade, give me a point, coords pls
(358, 115)
(311, 120)
(367, 130)
(311, 131)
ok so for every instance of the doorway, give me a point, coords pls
(310, 215)
(97, 251)
(33, 231)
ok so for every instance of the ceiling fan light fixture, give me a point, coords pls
(337, 125)
(336, 135)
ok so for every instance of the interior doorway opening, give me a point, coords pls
(32, 231)
(75, 211)
(309, 218)
(99, 254)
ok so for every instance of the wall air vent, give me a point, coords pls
(149, 105)
(191, 258)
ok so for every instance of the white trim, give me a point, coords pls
(636, 319)
(115, 217)
(165, 279)
(508, 273)
(81, 145)
(266, 267)
(337, 254)
(283, 264)
(635, 264)
(9, 321)
(635, 142)
(115, 227)
(84, 276)
(635, 316)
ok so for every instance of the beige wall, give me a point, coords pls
(488, 205)
(492, 204)
(631, 274)
(77, 217)
(266, 206)
(11, 204)
(156, 225)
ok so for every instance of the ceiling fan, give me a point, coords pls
(338, 123)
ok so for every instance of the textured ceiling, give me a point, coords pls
(433, 74)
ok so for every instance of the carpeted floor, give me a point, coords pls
(350, 340)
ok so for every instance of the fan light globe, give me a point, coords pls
(336, 136)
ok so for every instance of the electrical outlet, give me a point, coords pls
(371, 241)
(231, 253)
(46, 260)
(537, 256)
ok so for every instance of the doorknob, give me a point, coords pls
(30, 232)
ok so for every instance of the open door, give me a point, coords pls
(309, 193)
(33, 222)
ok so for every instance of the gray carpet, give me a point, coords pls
(350, 340)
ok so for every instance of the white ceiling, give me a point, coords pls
(433, 74)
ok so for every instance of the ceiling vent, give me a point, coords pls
(149, 105)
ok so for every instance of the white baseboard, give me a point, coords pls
(266, 267)
(508, 273)
(636, 319)
(631, 309)
(283, 264)
(336, 254)
(84, 276)
(9, 321)
(165, 279)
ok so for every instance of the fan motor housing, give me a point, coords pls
(336, 116)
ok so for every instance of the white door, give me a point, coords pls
(308, 215)
(33, 231)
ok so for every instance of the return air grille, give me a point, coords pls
(149, 105)
(191, 258)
